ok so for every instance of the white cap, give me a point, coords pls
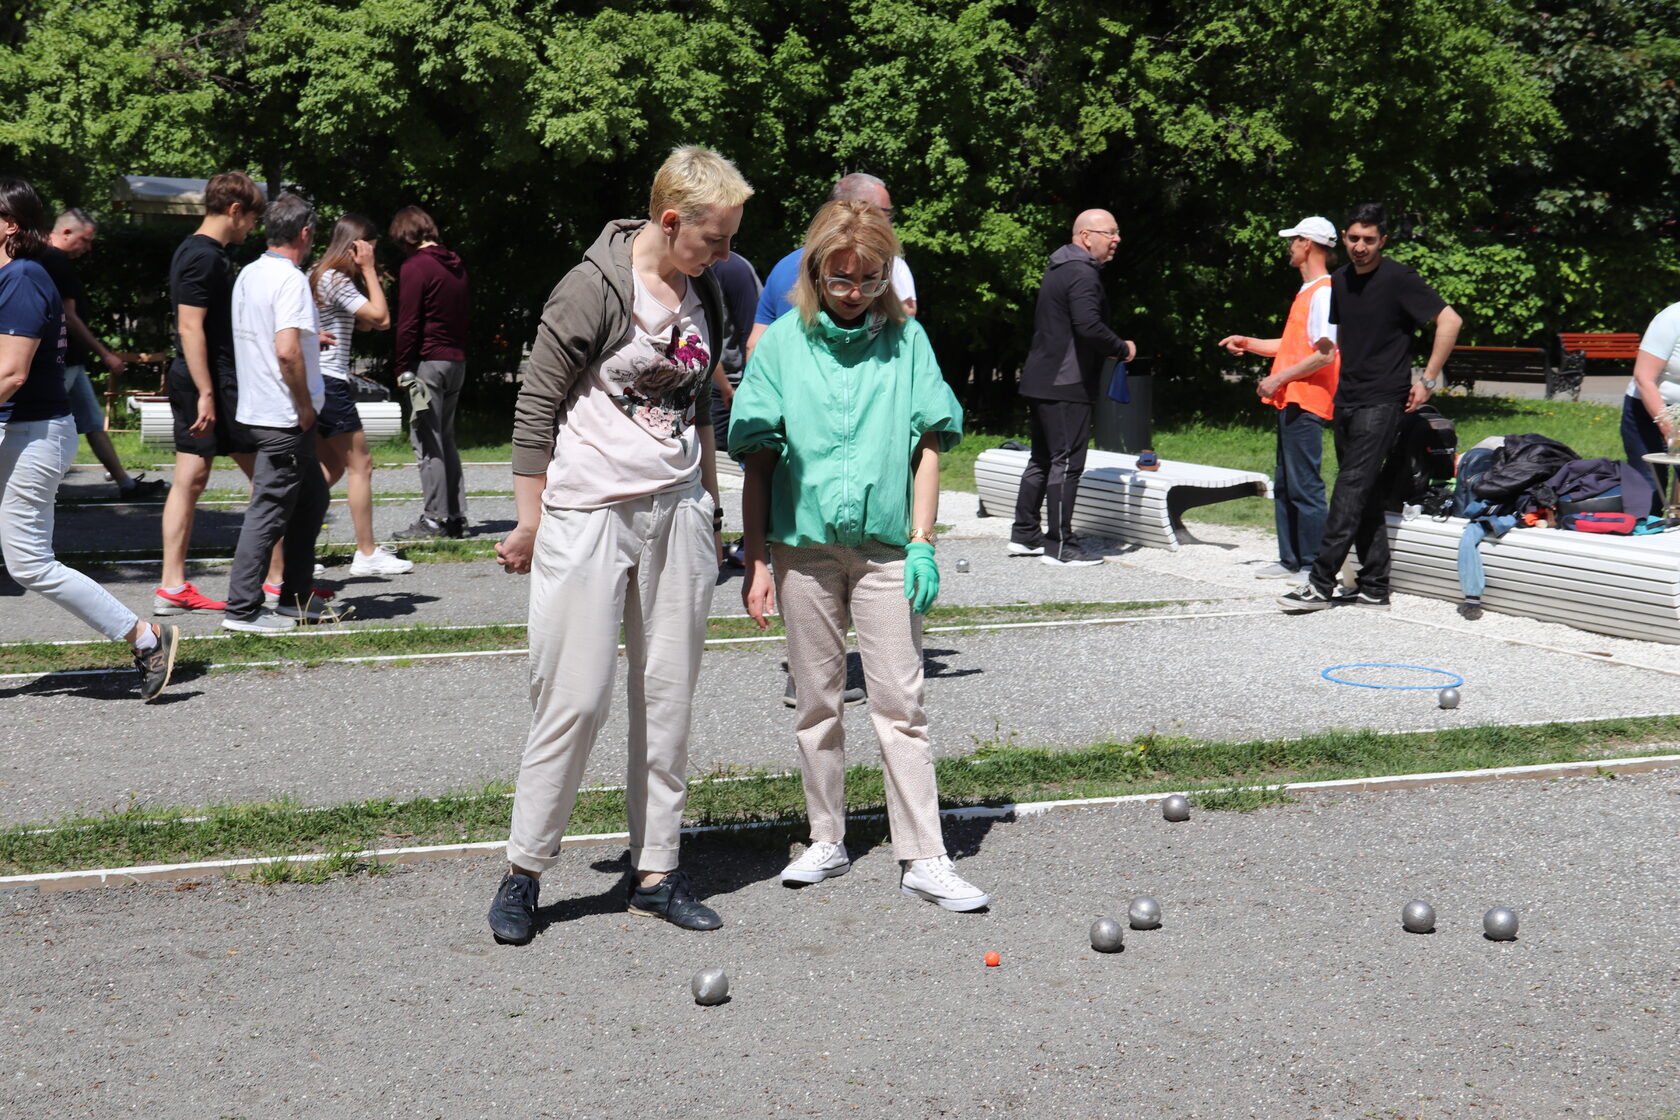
(1313, 229)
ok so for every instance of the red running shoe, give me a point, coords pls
(189, 598)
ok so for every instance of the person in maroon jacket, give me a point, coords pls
(432, 345)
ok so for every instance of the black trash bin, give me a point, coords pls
(1124, 427)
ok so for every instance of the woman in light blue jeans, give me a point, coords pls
(38, 441)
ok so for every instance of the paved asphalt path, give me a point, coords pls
(1280, 984)
(338, 733)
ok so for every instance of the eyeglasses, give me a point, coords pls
(889, 212)
(1109, 233)
(842, 286)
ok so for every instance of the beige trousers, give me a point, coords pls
(817, 589)
(650, 564)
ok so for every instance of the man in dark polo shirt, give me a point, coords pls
(1378, 306)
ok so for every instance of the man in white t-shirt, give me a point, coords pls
(277, 355)
(1654, 388)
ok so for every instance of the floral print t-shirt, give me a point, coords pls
(628, 430)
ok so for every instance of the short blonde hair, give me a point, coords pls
(846, 225)
(693, 178)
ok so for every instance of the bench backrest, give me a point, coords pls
(1623, 347)
(1497, 359)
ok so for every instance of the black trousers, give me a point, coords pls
(1364, 437)
(288, 500)
(1060, 431)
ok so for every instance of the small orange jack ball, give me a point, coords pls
(993, 960)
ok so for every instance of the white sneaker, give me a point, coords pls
(263, 622)
(313, 611)
(820, 861)
(380, 562)
(937, 881)
(1275, 571)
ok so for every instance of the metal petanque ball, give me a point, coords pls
(1500, 924)
(1418, 916)
(710, 986)
(1176, 808)
(963, 566)
(1448, 698)
(1144, 912)
(1107, 936)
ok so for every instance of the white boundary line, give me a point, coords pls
(122, 876)
(375, 659)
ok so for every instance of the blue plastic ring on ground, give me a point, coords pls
(1454, 682)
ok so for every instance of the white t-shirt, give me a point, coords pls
(339, 302)
(628, 430)
(271, 295)
(903, 284)
(1662, 340)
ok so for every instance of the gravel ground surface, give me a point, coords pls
(347, 732)
(1280, 985)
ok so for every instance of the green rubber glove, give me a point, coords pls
(921, 576)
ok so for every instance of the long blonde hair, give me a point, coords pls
(846, 225)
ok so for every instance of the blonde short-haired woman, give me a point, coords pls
(616, 487)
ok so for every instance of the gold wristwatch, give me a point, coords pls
(923, 535)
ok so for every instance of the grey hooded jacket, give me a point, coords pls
(587, 314)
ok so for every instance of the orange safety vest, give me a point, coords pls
(1314, 394)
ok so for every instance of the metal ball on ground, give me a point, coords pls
(1418, 916)
(1448, 698)
(1176, 808)
(963, 566)
(710, 986)
(1144, 912)
(1500, 924)
(1107, 936)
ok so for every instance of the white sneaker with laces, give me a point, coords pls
(380, 562)
(820, 861)
(936, 880)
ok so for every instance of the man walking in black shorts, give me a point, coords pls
(1377, 306)
(203, 389)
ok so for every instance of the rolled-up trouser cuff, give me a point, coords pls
(653, 859)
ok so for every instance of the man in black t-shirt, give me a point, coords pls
(203, 389)
(1377, 306)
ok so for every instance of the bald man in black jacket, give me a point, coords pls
(1071, 337)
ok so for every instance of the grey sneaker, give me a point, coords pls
(157, 663)
(263, 622)
(423, 529)
(790, 695)
(1275, 570)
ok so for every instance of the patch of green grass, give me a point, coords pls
(314, 646)
(994, 775)
(1244, 799)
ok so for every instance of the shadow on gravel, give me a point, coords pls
(110, 686)
(383, 604)
(934, 665)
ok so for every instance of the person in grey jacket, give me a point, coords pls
(616, 487)
(1071, 337)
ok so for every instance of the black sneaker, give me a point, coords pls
(423, 529)
(157, 663)
(1370, 601)
(513, 914)
(1018, 548)
(1069, 554)
(671, 899)
(1305, 598)
(1470, 609)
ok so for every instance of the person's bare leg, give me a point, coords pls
(100, 444)
(191, 473)
(358, 485)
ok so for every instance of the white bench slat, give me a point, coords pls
(380, 420)
(1116, 501)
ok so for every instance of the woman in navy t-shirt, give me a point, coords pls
(38, 441)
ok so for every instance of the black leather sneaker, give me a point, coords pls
(1305, 598)
(513, 915)
(671, 899)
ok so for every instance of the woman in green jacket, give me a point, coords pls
(839, 423)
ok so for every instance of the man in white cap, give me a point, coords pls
(1302, 387)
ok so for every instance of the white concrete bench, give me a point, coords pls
(1626, 586)
(380, 419)
(1116, 500)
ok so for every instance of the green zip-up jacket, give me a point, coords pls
(843, 408)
